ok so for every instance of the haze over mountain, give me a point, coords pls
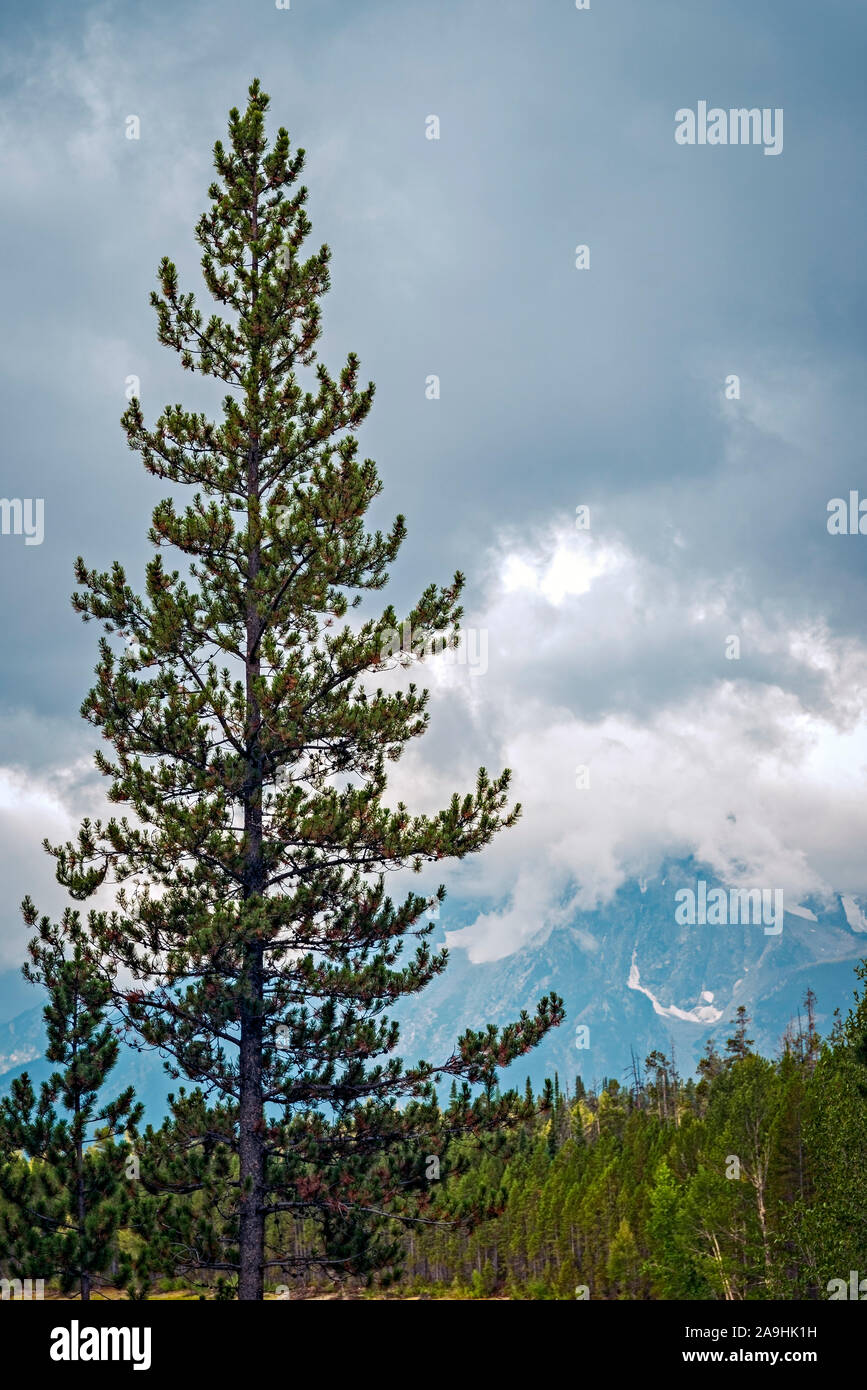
(635, 978)
(631, 976)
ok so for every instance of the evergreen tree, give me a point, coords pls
(738, 1046)
(747, 1102)
(827, 1230)
(250, 743)
(812, 1042)
(711, 1064)
(64, 1178)
(672, 1266)
(657, 1063)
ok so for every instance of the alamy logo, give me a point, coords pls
(76, 1343)
(718, 908)
(857, 1289)
(848, 520)
(471, 649)
(20, 1289)
(23, 516)
(738, 126)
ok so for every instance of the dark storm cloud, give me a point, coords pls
(456, 257)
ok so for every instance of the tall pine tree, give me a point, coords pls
(250, 743)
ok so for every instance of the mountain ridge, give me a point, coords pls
(629, 973)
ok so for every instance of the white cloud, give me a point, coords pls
(761, 778)
(30, 810)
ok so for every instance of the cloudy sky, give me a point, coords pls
(603, 648)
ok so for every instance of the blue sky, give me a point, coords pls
(559, 387)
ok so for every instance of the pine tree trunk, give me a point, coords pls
(252, 1117)
(84, 1279)
(80, 1202)
(251, 1147)
(763, 1222)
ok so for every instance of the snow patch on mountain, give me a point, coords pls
(802, 912)
(854, 916)
(702, 1013)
